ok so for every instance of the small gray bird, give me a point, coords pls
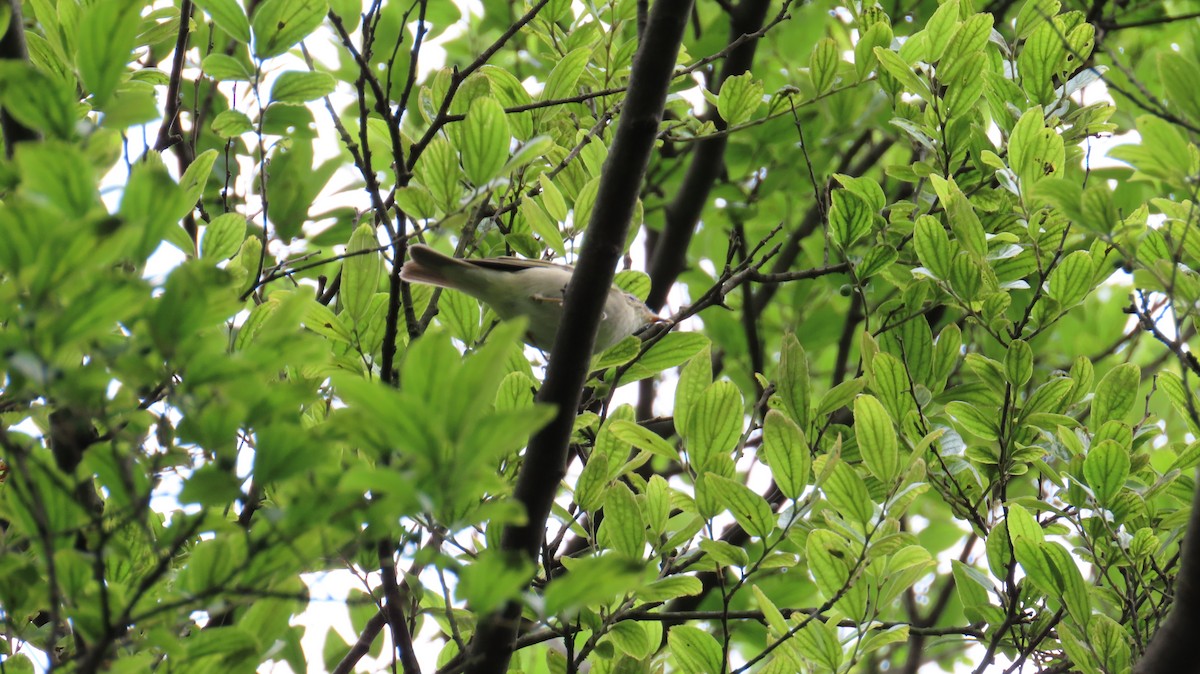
(515, 287)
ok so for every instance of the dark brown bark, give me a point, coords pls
(12, 48)
(545, 461)
(708, 161)
(1172, 650)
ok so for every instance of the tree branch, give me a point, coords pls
(12, 48)
(683, 212)
(620, 183)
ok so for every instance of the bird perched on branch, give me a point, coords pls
(532, 288)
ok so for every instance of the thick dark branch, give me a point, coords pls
(546, 457)
(1172, 650)
(12, 48)
(394, 611)
(170, 132)
(708, 161)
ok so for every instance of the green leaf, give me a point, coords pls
(643, 438)
(279, 24)
(848, 494)
(1034, 150)
(829, 560)
(1021, 525)
(194, 179)
(876, 438)
(989, 371)
(417, 201)
(1048, 397)
(668, 352)
(694, 380)
(1171, 384)
(1018, 363)
(228, 642)
(1035, 13)
(945, 355)
(890, 380)
(562, 79)
(878, 35)
(296, 86)
(360, 271)
(58, 174)
(585, 202)
(969, 40)
(749, 509)
(437, 170)
(1179, 75)
(972, 586)
(818, 642)
(1098, 212)
(107, 31)
(1040, 570)
(623, 528)
(618, 354)
(866, 188)
(965, 224)
(786, 452)
(223, 236)
(694, 650)
(740, 97)
(1110, 642)
(850, 218)
(716, 424)
(1071, 280)
(840, 396)
(903, 72)
(593, 480)
(149, 204)
(823, 64)
(460, 314)
(941, 28)
(1116, 393)
(36, 100)
(794, 387)
(515, 391)
(632, 639)
(1040, 60)
(933, 246)
(896, 634)
(593, 580)
(657, 509)
(974, 420)
(321, 320)
(877, 259)
(231, 123)
(492, 579)
(225, 68)
(670, 588)
(552, 199)
(528, 152)
(229, 17)
(485, 140)
(1106, 469)
(1075, 589)
(634, 282)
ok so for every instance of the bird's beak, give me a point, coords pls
(651, 320)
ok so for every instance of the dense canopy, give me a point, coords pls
(923, 395)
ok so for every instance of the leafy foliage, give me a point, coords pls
(936, 403)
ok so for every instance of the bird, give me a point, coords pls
(514, 287)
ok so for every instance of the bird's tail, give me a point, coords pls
(426, 265)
